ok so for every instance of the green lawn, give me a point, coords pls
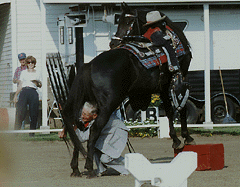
(217, 130)
(39, 137)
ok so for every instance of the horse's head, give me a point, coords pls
(129, 24)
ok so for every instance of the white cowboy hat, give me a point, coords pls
(153, 17)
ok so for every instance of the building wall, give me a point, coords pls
(53, 12)
(28, 28)
(224, 31)
(225, 40)
(97, 34)
(5, 55)
(54, 18)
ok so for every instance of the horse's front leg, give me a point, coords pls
(184, 131)
(177, 144)
(74, 164)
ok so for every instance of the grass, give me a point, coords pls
(39, 137)
(216, 130)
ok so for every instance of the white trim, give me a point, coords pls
(31, 131)
(129, 127)
(207, 65)
(179, 125)
(44, 69)
(14, 37)
(3, 2)
(137, 1)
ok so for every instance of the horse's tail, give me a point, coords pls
(80, 92)
(84, 87)
(71, 76)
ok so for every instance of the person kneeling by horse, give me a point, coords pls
(110, 144)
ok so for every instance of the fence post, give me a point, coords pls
(163, 130)
(143, 116)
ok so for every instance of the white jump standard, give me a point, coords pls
(173, 174)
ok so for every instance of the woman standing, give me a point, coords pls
(30, 80)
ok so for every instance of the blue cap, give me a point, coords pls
(21, 56)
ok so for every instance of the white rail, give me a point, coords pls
(160, 124)
(31, 131)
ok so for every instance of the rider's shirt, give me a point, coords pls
(150, 31)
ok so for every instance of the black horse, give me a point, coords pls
(131, 23)
(107, 80)
(131, 29)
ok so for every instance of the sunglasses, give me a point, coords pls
(30, 63)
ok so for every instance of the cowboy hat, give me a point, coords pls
(153, 17)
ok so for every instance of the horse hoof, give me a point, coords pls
(76, 174)
(91, 175)
(178, 145)
(189, 141)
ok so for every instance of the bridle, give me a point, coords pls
(135, 20)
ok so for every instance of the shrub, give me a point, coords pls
(142, 132)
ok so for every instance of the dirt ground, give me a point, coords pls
(44, 163)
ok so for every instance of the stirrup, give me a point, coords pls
(173, 68)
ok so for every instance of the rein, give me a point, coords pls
(138, 27)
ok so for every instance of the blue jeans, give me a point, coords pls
(27, 96)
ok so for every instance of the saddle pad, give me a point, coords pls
(176, 42)
(148, 56)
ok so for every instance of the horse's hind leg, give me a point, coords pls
(96, 128)
(184, 131)
(74, 164)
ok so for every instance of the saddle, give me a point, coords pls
(149, 55)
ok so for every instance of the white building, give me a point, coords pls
(34, 27)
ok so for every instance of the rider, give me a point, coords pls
(160, 35)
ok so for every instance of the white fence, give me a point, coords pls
(162, 123)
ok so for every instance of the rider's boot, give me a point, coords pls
(160, 39)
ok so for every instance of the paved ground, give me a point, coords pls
(47, 163)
